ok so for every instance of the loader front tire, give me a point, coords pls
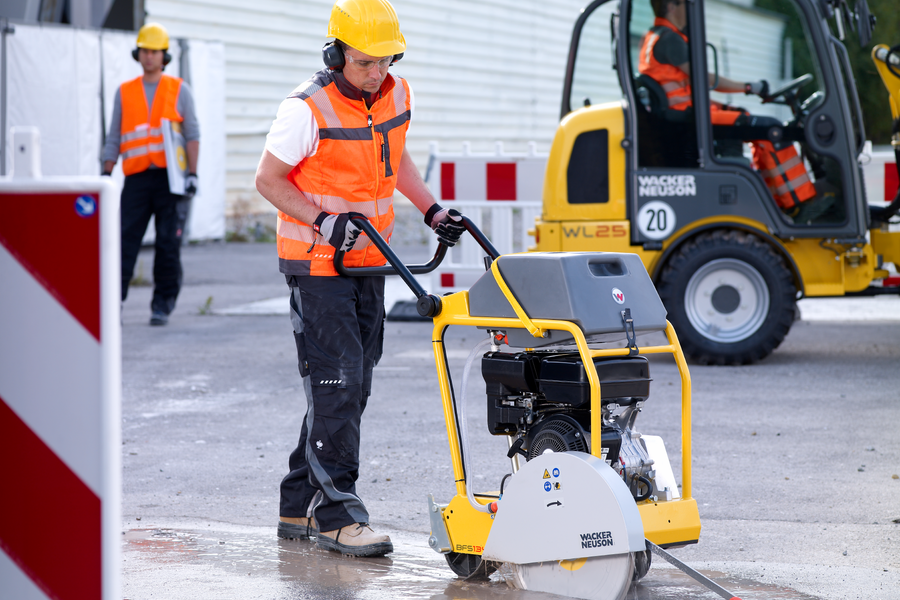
(730, 297)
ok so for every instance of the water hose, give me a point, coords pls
(464, 427)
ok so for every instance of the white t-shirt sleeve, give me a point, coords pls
(412, 107)
(294, 134)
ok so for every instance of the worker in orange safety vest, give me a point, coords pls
(140, 111)
(664, 56)
(336, 150)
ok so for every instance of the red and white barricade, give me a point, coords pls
(500, 192)
(60, 383)
(880, 174)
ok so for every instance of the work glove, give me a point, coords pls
(760, 88)
(190, 185)
(338, 230)
(446, 224)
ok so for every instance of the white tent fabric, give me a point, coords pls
(206, 66)
(53, 80)
(64, 80)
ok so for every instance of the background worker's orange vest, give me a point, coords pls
(142, 140)
(354, 169)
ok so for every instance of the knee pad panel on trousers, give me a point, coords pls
(334, 436)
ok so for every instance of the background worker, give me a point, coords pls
(665, 57)
(336, 148)
(135, 133)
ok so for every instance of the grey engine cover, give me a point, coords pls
(590, 289)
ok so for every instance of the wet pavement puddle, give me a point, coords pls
(220, 561)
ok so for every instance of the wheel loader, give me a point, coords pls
(683, 193)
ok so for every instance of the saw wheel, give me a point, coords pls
(594, 578)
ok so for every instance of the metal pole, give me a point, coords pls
(5, 28)
(696, 575)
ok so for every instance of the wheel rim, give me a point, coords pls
(726, 300)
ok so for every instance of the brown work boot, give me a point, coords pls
(357, 539)
(297, 528)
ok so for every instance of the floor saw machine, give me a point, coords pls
(589, 497)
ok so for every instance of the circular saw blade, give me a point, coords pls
(594, 578)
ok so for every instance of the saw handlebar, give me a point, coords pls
(427, 305)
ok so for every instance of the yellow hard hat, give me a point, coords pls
(153, 36)
(370, 26)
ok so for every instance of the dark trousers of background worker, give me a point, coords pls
(144, 195)
(339, 331)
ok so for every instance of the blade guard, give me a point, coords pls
(563, 506)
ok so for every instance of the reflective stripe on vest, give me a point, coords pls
(353, 170)
(141, 142)
(675, 82)
(784, 173)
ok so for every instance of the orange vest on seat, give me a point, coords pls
(354, 169)
(141, 143)
(784, 173)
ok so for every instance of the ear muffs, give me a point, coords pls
(332, 56)
(397, 57)
(167, 58)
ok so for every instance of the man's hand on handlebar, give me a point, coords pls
(338, 230)
(446, 224)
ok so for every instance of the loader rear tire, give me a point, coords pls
(730, 297)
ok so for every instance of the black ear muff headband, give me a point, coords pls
(333, 56)
(167, 58)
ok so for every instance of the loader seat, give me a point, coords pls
(666, 137)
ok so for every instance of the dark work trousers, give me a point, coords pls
(339, 330)
(144, 195)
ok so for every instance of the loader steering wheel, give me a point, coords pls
(787, 90)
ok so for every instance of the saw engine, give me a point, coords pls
(542, 399)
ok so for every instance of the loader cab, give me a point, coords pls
(681, 167)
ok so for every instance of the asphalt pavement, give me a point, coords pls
(796, 464)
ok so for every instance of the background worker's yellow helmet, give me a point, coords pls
(370, 26)
(153, 36)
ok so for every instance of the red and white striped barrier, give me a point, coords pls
(60, 383)
(501, 192)
(880, 174)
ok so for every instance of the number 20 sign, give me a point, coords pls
(656, 220)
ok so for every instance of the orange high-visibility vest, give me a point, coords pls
(354, 169)
(675, 82)
(784, 173)
(142, 140)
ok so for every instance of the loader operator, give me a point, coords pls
(336, 149)
(135, 133)
(665, 57)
